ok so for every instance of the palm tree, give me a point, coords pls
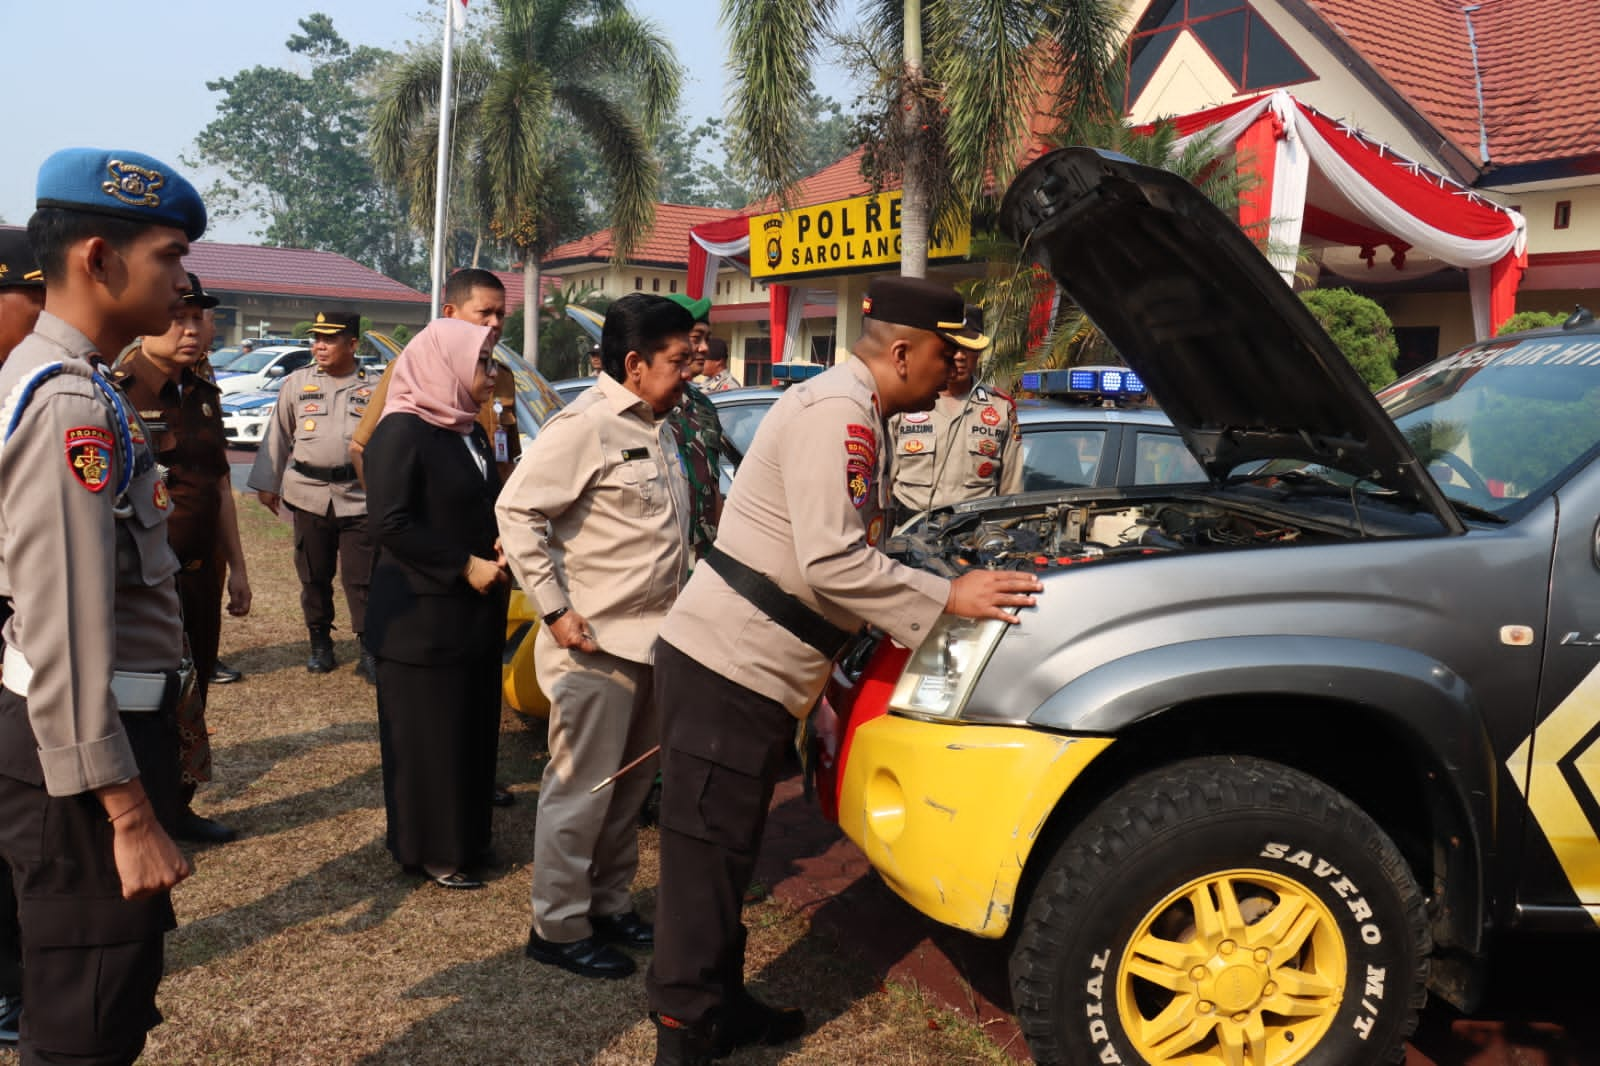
(593, 62)
(956, 101)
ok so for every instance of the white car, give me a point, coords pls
(245, 415)
(252, 372)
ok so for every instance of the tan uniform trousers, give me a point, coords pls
(586, 847)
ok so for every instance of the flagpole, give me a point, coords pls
(441, 184)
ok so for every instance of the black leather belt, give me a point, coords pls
(778, 605)
(347, 472)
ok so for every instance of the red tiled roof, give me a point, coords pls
(839, 181)
(512, 280)
(666, 244)
(1538, 104)
(292, 272)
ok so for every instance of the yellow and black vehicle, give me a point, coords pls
(1273, 755)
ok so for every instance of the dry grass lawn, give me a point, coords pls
(303, 943)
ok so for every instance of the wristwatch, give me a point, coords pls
(554, 616)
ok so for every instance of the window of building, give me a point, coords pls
(1244, 46)
(638, 283)
(758, 361)
(672, 285)
(1418, 345)
(1563, 214)
(822, 349)
(655, 284)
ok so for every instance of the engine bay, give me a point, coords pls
(1065, 534)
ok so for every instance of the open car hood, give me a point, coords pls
(1234, 358)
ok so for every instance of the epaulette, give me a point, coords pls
(22, 394)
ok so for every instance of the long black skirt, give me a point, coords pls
(439, 730)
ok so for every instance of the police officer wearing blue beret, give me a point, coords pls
(93, 660)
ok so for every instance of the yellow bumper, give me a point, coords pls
(519, 682)
(948, 813)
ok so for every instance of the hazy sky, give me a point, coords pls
(118, 75)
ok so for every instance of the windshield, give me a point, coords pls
(253, 363)
(1501, 422)
(222, 357)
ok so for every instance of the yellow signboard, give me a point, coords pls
(833, 238)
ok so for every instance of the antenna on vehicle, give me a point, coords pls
(1581, 316)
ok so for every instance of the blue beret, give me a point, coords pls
(127, 185)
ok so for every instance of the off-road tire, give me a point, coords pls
(1219, 821)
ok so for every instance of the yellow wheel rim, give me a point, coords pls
(1238, 968)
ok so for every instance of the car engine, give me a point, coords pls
(1069, 534)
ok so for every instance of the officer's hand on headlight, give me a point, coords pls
(986, 594)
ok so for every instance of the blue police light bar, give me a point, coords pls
(1032, 381)
(1132, 383)
(789, 373)
(1111, 381)
(1083, 381)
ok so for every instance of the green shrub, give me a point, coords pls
(1530, 320)
(1360, 328)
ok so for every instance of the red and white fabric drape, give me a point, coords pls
(1404, 202)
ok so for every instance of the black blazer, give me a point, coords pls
(429, 508)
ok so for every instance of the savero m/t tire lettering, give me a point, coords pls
(1223, 911)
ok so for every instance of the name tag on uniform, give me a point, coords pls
(502, 450)
(630, 454)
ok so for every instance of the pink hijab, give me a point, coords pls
(433, 376)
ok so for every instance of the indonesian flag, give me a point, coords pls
(458, 13)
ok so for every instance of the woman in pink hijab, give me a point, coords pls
(436, 612)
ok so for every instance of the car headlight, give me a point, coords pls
(941, 672)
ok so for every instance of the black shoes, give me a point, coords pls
(586, 958)
(457, 880)
(624, 930)
(503, 796)
(223, 674)
(746, 1020)
(678, 1044)
(198, 830)
(367, 668)
(321, 660)
(10, 1019)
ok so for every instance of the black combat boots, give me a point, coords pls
(678, 1044)
(321, 660)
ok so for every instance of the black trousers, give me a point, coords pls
(323, 544)
(722, 750)
(91, 959)
(439, 734)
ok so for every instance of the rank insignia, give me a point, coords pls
(860, 486)
(89, 456)
(988, 447)
(985, 469)
(162, 497)
(136, 430)
(311, 409)
(310, 424)
(310, 386)
(875, 530)
(990, 416)
(913, 446)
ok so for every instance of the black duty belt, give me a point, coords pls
(778, 605)
(347, 472)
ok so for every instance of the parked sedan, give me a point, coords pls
(253, 371)
(245, 415)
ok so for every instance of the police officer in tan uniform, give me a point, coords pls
(595, 526)
(969, 447)
(717, 376)
(21, 300)
(304, 461)
(746, 649)
(94, 646)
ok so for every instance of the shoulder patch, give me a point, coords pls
(89, 455)
(860, 432)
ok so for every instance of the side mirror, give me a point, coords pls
(276, 371)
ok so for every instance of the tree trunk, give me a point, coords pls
(913, 186)
(530, 309)
(477, 249)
